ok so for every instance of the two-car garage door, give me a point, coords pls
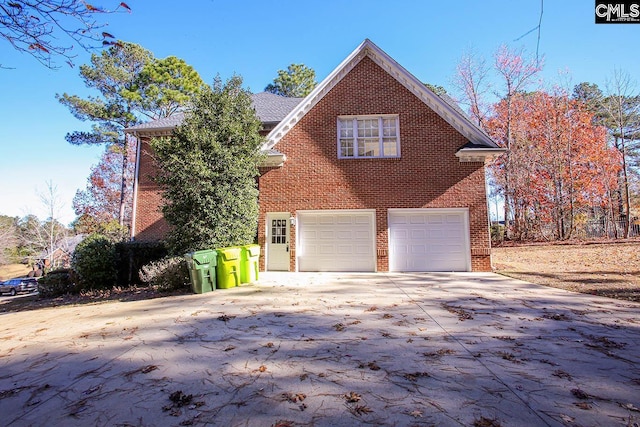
(429, 240)
(419, 240)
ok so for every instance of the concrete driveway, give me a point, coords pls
(303, 349)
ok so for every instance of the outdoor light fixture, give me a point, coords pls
(292, 221)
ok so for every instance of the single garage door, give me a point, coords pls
(336, 240)
(429, 240)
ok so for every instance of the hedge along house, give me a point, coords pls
(371, 171)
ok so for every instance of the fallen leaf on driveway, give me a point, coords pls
(579, 393)
(486, 422)
(414, 376)
(630, 407)
(148, 368)
(583, 405)
(294, 398)
(416, 414)
(567, 418)
(361, 409)
(93, 389)
(352, 397)
(561, 374)
(339, 327)
(180, 399)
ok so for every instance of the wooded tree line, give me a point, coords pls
(28, 239)
(572, 152)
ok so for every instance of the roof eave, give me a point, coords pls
(155, 132)
(478, 154)
(273, 160)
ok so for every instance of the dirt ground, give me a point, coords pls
(610, 269)
(13, 270)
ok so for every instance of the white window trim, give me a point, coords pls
(380, 118)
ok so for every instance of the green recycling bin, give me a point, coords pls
(202, 270)
(228, 269)
(249, 263)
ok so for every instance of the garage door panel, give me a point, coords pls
(343, 220)
(326, 235)
(346, 241)
(434, 219)
(428, 240)
(363, 250)
(364, 220)
(344, 235)
(418, 250)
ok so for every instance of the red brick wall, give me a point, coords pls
(428, 174)
(150, 224)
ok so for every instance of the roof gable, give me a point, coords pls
(450, 113)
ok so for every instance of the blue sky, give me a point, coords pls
(256, 38)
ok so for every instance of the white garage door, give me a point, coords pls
(429, 240)
(336, 240)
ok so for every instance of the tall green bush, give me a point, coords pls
(209, 169)
(94, 262)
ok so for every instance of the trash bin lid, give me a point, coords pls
(206, 256)
(251, 250)
(229, 254)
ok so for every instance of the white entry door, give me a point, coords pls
(278, 241)
(336, 240)
(429, 240)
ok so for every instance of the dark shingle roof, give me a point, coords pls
(270, 108)
(160, 124)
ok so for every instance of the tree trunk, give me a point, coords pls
(625, 185)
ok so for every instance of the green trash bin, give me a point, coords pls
(202, 270)
(228, 269)
(249, 263)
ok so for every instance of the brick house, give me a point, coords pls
(370, 172)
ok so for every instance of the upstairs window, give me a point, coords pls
(368, 136)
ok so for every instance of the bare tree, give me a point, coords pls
(37, 27)
(622, 106)
(43, 237)
(516, 72)
(471, 82)
(8, 237)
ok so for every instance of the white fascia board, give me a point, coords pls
(315, 96)
(367, 48)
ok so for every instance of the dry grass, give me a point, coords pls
(610, 269)
(10, 271)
